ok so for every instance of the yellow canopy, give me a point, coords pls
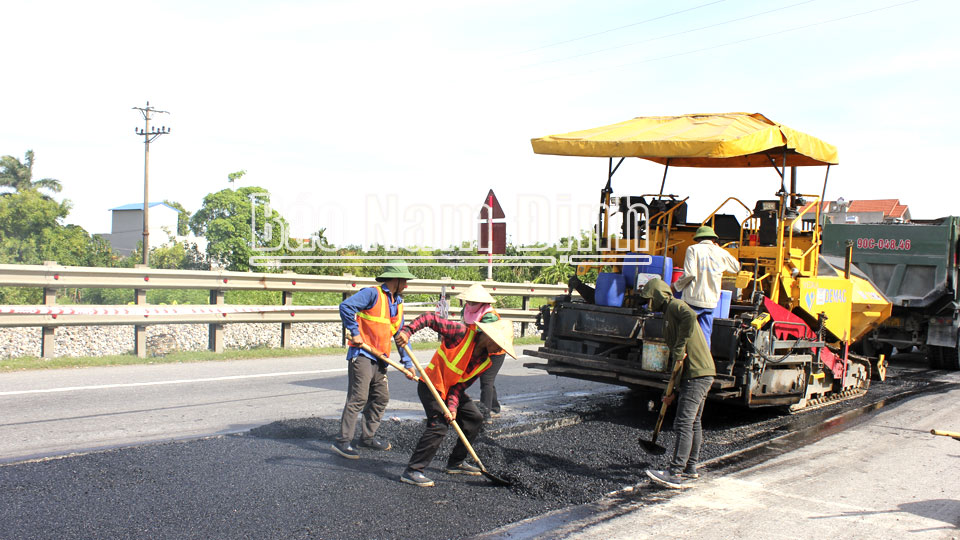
(695, 140)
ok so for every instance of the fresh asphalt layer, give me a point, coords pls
(47, 413)
(281, 480)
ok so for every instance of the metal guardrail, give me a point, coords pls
(294, 314)
(51, 277)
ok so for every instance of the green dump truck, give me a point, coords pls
(916, 266)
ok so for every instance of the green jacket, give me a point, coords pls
(681, 331)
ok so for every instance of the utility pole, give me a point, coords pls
(149, 134)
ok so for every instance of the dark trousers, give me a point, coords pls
(367, 391)
(468, 418)
(488, 392)
(693, 395)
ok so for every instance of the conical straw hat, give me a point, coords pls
(501, 332)
(476, 293)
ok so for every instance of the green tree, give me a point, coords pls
(32, 231)
(558, 273)
(183, 219)
(225, 221)
(19, 175)
(177, 255)
(101, 254)
(28, 222)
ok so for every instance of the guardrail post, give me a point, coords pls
(286, 329)
(343, 329)
(523, 325)
(140, 330)
(48, 334)
(216, 330)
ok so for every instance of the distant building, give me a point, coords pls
(127, 228)
(863, 211)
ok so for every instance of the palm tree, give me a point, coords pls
(19, 176)
(234, 176)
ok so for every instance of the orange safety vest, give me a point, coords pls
(448, 365)
(377, 327)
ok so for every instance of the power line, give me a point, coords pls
(149, 134)
(621, 27)
(737, 42)
(671, 35)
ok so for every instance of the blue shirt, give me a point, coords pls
(363, 300)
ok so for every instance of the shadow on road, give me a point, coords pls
(944, 510)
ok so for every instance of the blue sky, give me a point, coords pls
(405, 114)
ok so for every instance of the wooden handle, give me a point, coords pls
(674, 375)
(388, 361)
(443, 407)
(951, 434)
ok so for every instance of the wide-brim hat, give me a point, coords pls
(395, 269)
(704, 232)
(501, 332)
(476, 293)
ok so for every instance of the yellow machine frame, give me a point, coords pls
(787, 272)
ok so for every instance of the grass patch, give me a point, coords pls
(31, 362)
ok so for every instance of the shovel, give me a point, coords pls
(463, 438)
(651, 445)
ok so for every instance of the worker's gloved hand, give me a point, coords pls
(452, 416)
(356, 339)
(667, 400)
(402, 338)
(410, 374)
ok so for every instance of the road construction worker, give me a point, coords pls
(372, 316)
(687, 344)
(464, 354)
(477, 302)
(703, 268)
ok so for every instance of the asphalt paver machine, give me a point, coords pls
(785, 339)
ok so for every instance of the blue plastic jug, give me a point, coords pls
(610, 289)
(722, 311)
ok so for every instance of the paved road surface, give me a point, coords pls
(886, 478)
(54, 412)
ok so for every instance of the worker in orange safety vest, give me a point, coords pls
(464, 354)
(372, 316)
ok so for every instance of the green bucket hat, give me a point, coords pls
(395, 269)
(705, 232)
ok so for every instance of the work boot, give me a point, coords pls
(416, 478)
(346, 450)
(689, 474)
(463, 468)
(667, 478)
(376, 444)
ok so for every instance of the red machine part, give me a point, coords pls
(793, 327)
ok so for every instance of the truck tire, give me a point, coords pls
(935, 356)
(950, 357)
